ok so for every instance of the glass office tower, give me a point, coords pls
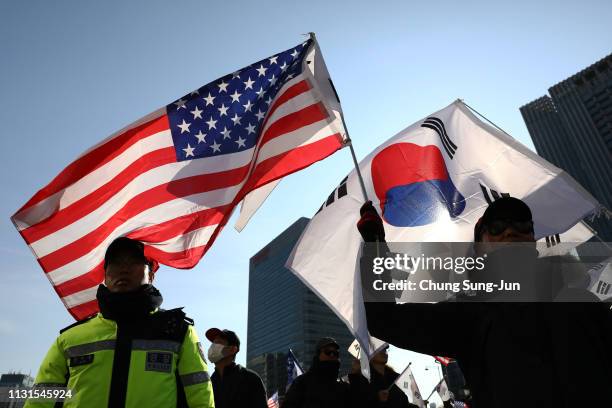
(284, 313)
(572, 128)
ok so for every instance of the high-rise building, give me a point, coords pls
(572, 128)
(284, 314)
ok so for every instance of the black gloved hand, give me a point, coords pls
(370, 225)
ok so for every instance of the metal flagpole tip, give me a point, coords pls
(310, 34)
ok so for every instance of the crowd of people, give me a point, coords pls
(133, 353)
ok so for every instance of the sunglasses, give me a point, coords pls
(331, 353)
(496, 227)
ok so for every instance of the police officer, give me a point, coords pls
(234, 386)
(131, 354)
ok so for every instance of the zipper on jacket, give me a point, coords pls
(121, 368)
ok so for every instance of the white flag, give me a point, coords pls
(408, 385)
(601, 279)
(431, 182)
(355, 349)
(561, 244)
(364, 359)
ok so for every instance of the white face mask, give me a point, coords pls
(215, 352)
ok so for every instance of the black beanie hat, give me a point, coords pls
(125, 246)
(504, 208)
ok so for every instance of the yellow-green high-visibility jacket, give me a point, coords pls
(160, 365)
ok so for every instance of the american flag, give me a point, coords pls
(273, 401)
(173, 178)
(294, 370)
(443, 360)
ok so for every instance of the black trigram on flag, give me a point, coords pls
(603, 288)
(553, 240)
(437, 125)
(491, 195)
(337, 194)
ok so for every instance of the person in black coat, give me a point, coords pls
(320, 387)
(234, 386)
(379, 392)
(534, 354)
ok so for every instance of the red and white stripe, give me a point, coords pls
(131, 185)
(443, 360)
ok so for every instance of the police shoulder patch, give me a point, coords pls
(201, 351)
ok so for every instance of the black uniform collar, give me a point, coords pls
(129, 305)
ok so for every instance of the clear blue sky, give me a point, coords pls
(73, 72)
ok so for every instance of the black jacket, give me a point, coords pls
(533, 354)
(314, 390)
(368, 391)
(239, 388)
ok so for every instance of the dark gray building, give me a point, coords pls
(572, 128)
(284, 313)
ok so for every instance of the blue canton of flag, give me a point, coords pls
(293, 368)
(226, 115)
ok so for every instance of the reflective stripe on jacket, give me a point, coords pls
(148, 372)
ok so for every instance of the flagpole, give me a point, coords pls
(348, 141)
(350, 145)
(393, 383)
(601, 240)
(484, 117)
(434, 389)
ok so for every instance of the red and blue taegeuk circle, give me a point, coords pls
(413, 185)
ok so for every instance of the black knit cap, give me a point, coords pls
(324, 342)
(122, 247)
(504, 208)
(507, 208)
